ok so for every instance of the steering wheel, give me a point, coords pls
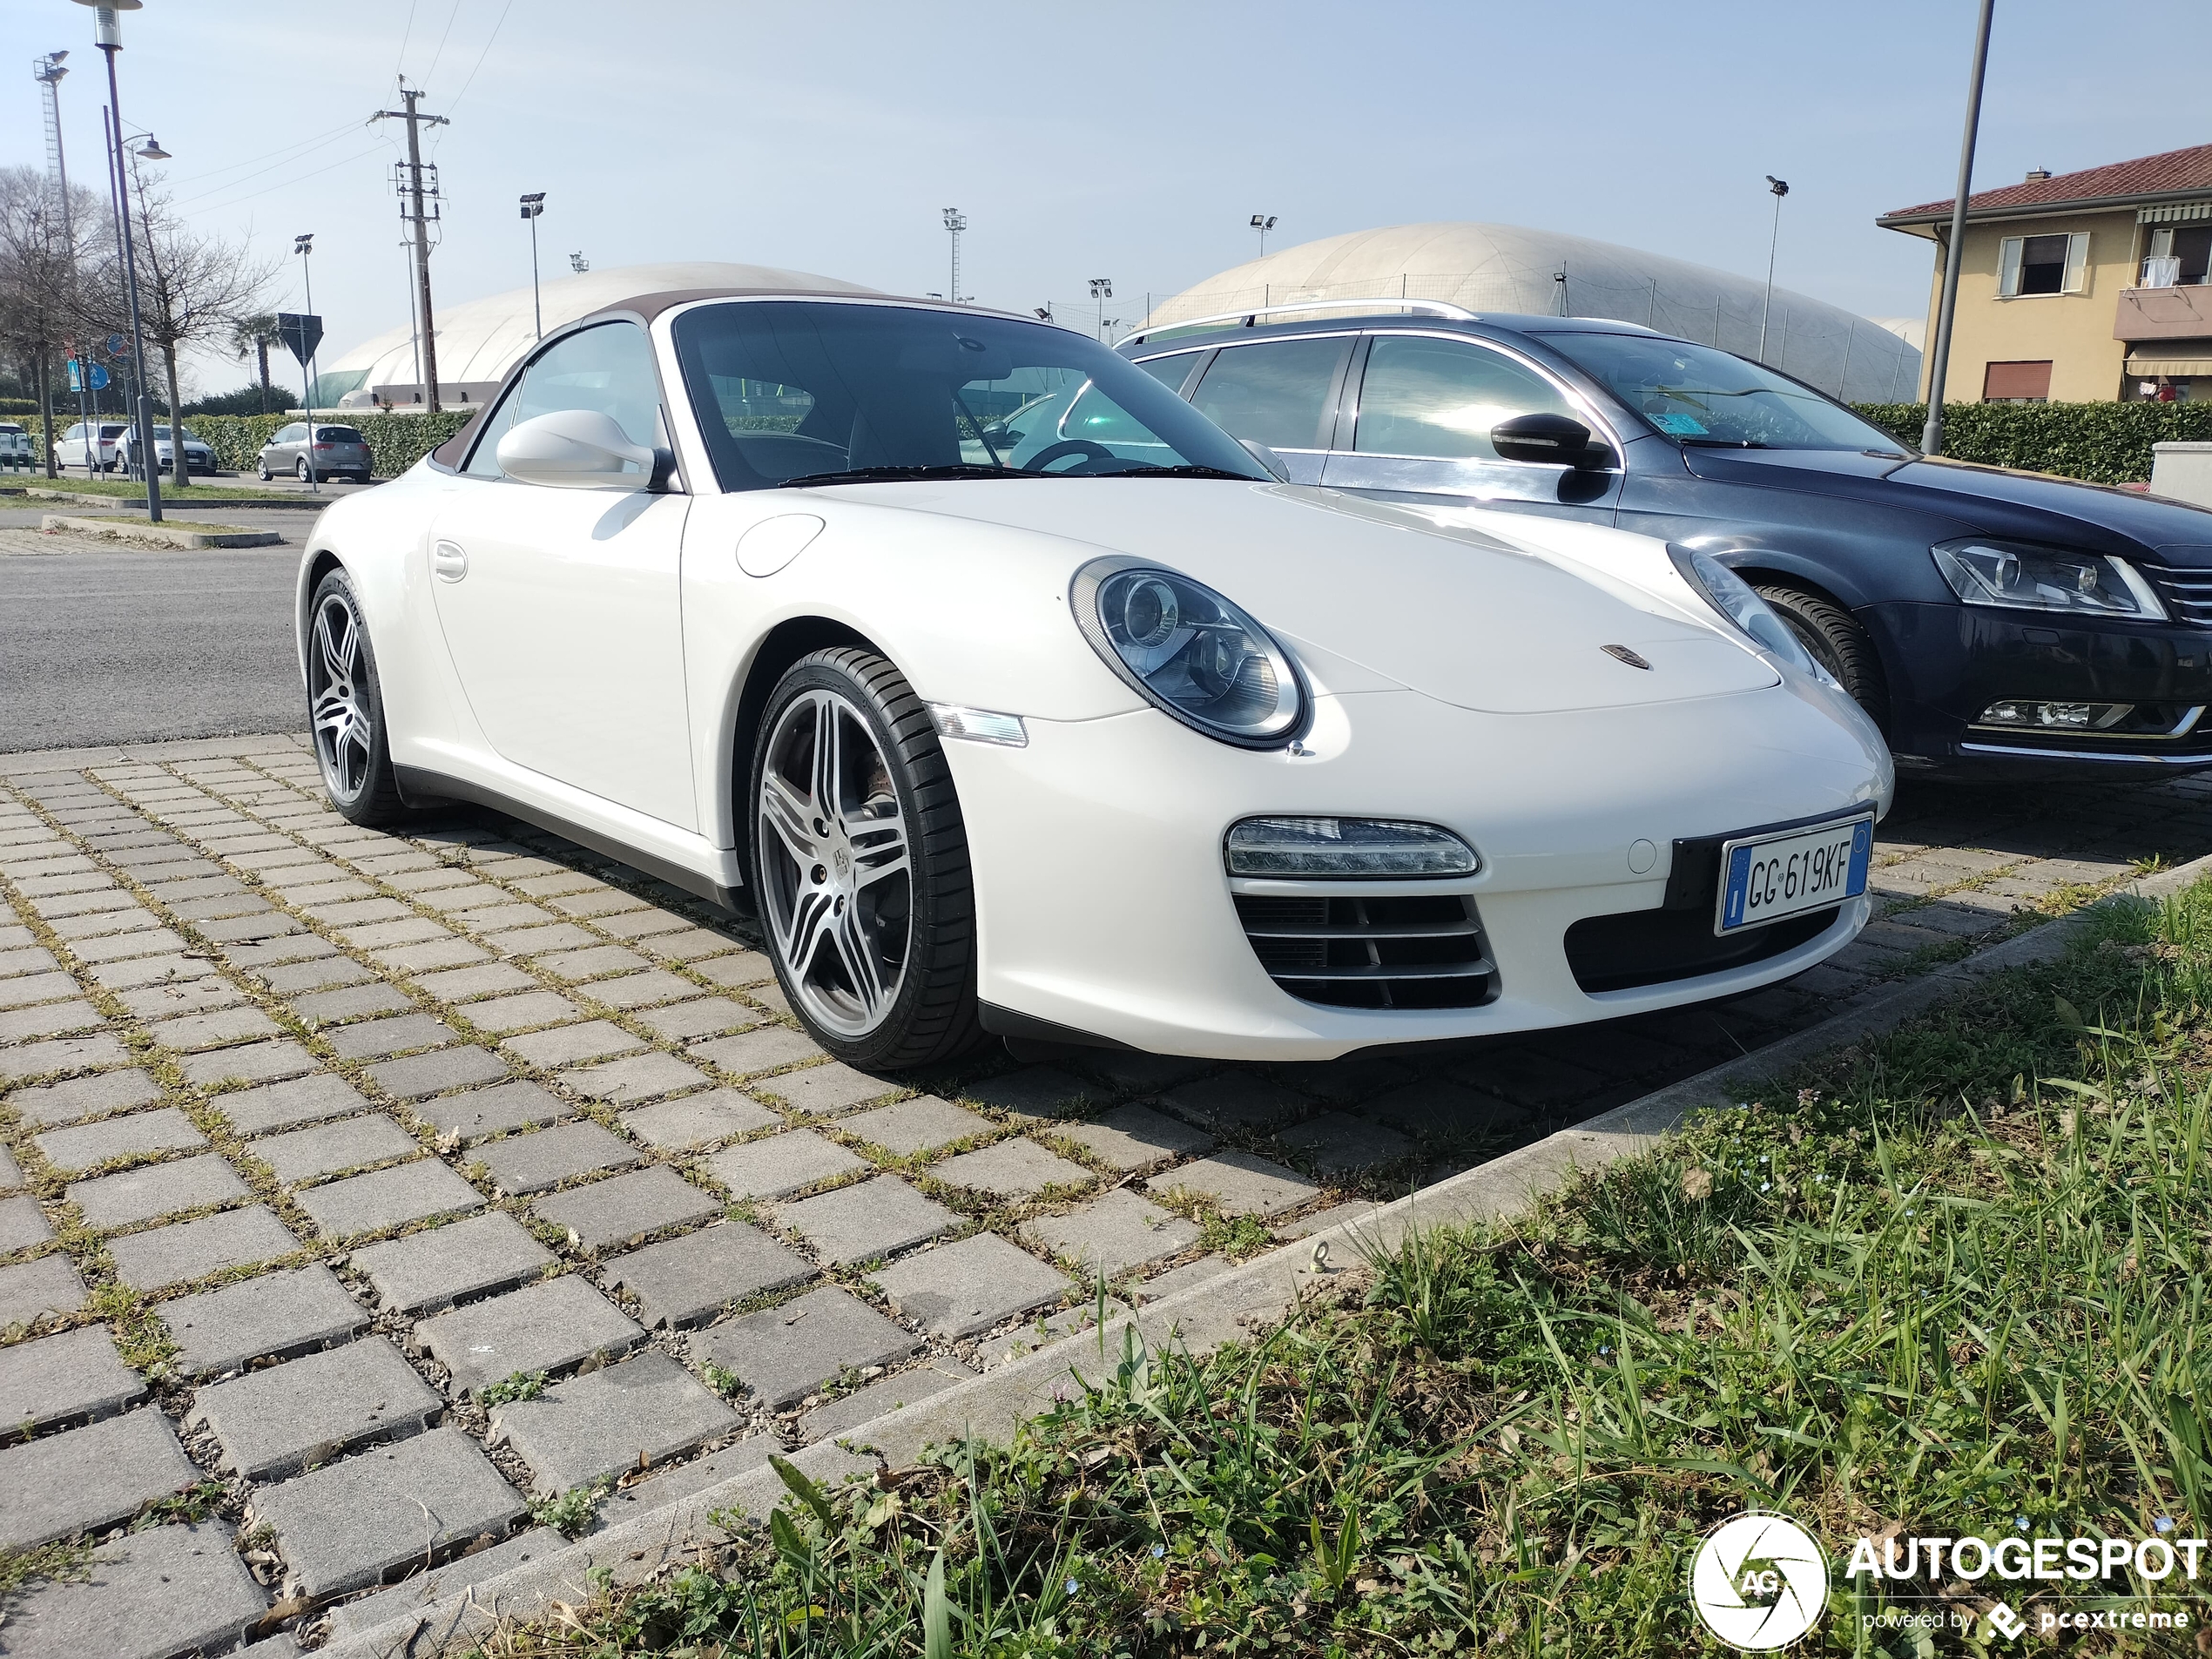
(1053, 452)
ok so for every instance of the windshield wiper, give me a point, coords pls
(1175, 472)
(1724, 443)
(897, 474)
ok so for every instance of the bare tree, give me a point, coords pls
(39, 278)
(191, 287)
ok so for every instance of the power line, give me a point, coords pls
(441, 52)
(405, 35)
(281, 184)
(283, 159)
(481, 55)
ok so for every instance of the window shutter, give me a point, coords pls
(2008, 266)
(2077, 263)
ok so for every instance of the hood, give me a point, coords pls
(1464, 617)
(1993, 500)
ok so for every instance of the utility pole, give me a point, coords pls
(411, 195)
(1931, 434)
(47, 71)
(955, 221)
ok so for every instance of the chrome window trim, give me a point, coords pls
(1430, 307)
(1572, 395)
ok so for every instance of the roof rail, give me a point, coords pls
(1251, 314)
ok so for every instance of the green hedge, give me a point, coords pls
(2106, 443)
(395, 442)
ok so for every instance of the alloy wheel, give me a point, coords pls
(837, 881)
(344, 729)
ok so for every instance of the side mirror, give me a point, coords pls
(1267, 458)
(577, 450)
(1551, 438)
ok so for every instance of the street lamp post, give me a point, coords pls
(532, 206)
(1931, 434)
(1781, 188)
(107, 34)
(1263, 223)
(1101, 289)
(304, 245)
(955, 222)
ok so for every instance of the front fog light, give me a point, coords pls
(1345, 847)
(2055, 716)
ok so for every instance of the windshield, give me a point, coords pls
(795, 390)
(1698, 396)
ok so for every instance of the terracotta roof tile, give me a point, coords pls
(2176, 171)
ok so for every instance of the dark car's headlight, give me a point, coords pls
(2017, 576)
(1190, 652)
(1735, 598)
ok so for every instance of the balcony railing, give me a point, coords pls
(2173, 311)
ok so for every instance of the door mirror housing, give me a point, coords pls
(1551, 438)
(578, 450)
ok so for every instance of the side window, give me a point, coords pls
(1430, 397)
(1171, 370)
(1277, 392)
(609, 369)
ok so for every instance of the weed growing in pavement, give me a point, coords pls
(1235, 1236)
(65, 1563)
(521, 1385)
(723, 1380)
(1954, 1284)
(572, 1512)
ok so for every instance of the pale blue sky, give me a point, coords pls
(1133, 141)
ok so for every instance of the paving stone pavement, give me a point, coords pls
(346, 1174)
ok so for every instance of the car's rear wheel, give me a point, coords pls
(1833, 635)
(860, 865)
(346, 708)
(300, 471)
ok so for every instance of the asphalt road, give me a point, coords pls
(104, 645)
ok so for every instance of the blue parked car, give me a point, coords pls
(1994, 623)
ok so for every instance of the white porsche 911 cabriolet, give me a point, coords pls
(1014, 697)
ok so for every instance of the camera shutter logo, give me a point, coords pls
(1759, 1582)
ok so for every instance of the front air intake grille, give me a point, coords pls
(1656, 946)
(2188, 593)
(1425, 951)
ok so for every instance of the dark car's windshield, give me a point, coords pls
(1697, 395)
(790, 390)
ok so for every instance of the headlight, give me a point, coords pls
(2016, 575)
(1735, 598)
(1345, 847)
(1189, 651)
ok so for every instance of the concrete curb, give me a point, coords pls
(169, 535)
(248, 502)
(1229, 1305)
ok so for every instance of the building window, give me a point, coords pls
(2178, 259)
(2058, 264)
(2016, 383)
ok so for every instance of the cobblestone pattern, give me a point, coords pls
(345, 1174)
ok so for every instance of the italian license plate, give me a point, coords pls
(1767, 877)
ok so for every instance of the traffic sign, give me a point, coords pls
(301, 331)
(82, 376)
(117, 347)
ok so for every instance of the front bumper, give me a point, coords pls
(1950, 662)
(1104, 908)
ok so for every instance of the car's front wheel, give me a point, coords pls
(860, 865)
(262, 466)
(346, 708)
(1835, 641)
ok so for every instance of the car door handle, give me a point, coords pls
(449, 561)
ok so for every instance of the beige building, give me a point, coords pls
(2084, 287)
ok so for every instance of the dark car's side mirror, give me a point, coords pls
(1545, 437)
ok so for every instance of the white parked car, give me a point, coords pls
(1014, 697)
(91, 447)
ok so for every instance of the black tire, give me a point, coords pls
(821, 894)
(262, 466)
(299, 470)
(1837, 643)
(346, 708)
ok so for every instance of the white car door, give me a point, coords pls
(562, 607)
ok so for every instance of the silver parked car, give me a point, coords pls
(70, 449)
(338, 452)
(198, 456)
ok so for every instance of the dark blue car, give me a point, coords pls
(1993, 623)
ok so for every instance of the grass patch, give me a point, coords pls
(20, 1568)
(521, 1385)
(1952, 1282)
(572, 1512)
